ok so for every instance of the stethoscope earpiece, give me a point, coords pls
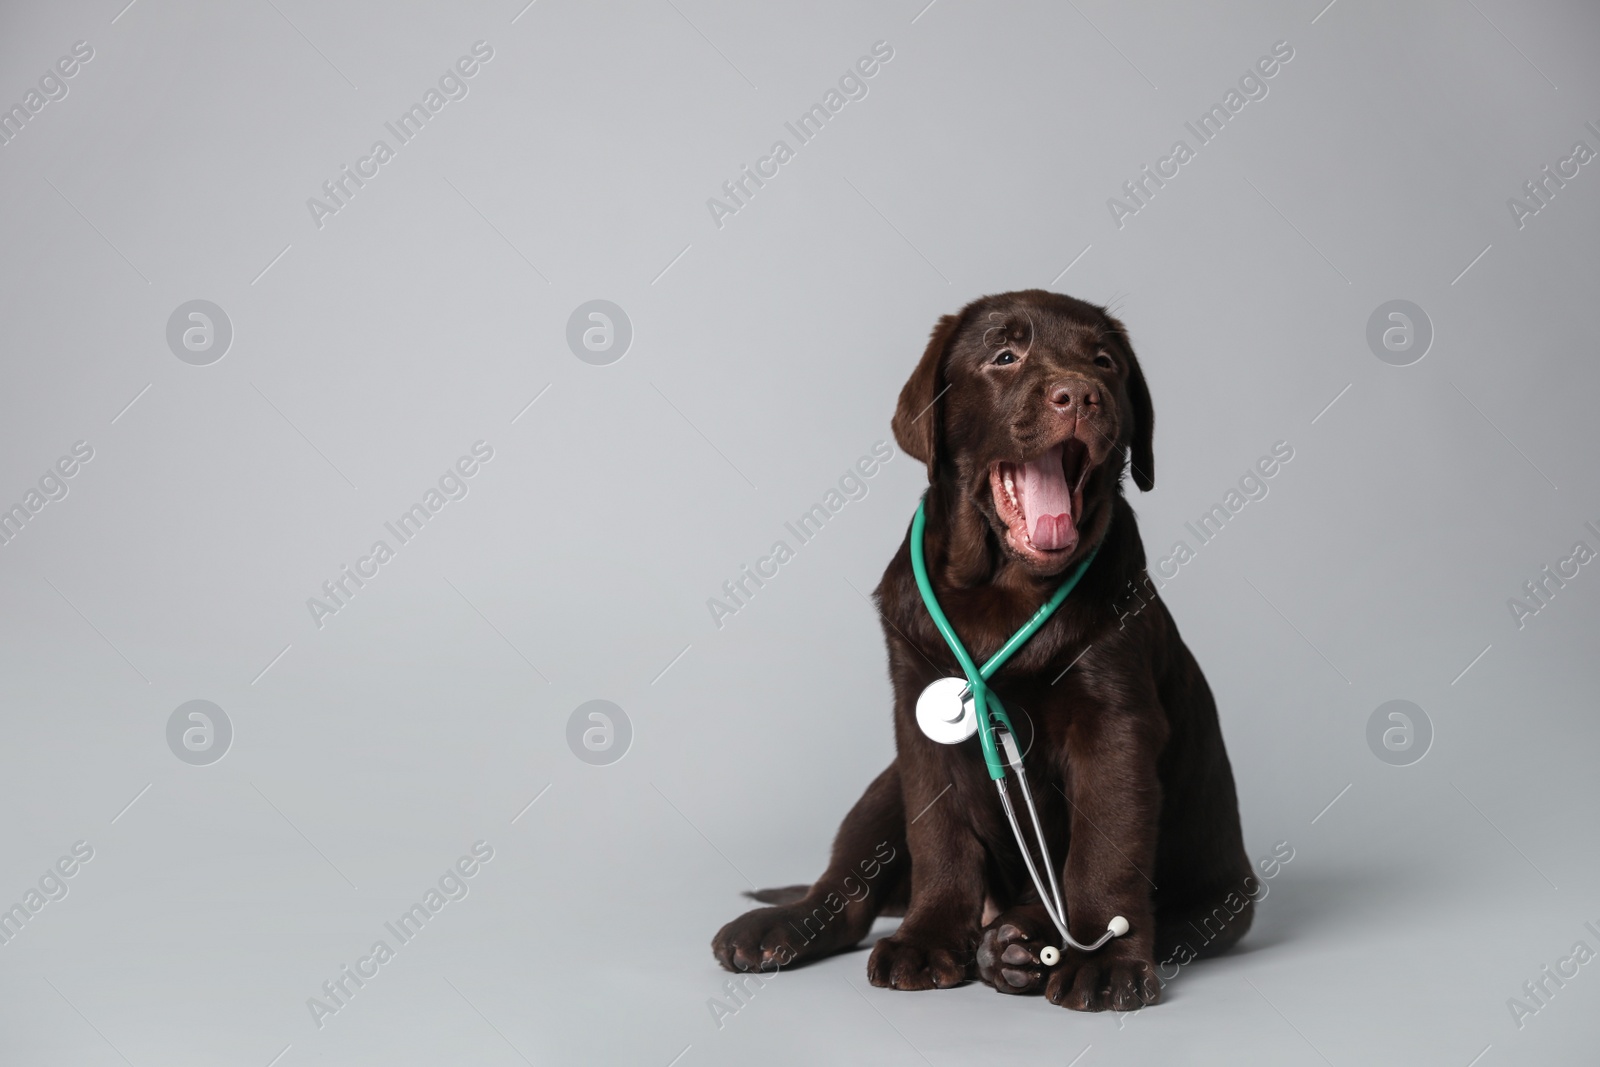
(1050, 955)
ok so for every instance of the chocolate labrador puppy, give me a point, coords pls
(1026, 407)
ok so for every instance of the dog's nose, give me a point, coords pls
(1074, 396)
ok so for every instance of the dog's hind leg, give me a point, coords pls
(869, 873)
(1203, 925)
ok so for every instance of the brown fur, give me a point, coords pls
(1125, 753)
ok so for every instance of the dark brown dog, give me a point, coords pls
(1025, 408)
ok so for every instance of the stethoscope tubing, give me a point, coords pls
(977, 678)
(987, 705)
(1058, 913)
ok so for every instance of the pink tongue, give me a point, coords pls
(1047, 502)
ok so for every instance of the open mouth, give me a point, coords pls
(1041, 500)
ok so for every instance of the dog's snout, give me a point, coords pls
(1077, 396)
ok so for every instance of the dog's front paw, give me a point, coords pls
(1115, 977)
(1009, 948)
(909, 963)
(759, 940)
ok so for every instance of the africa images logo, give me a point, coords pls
(852, 86)
(1252, 86)
(742, 588)
(453, 485)
(343, 186)
(52, 87)
(453, 885)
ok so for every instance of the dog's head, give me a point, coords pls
(1025, 407)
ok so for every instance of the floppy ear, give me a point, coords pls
(1142, 451)
(916, 421)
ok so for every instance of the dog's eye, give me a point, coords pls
(1005, 358)
(1103, 360)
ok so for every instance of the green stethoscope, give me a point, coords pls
(951, 710)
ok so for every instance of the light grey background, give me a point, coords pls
(369, 354)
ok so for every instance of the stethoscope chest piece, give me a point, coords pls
(946, 712)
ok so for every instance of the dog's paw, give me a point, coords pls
(1008, 953)
(759, 940)
(1107, 979)
(911, 964)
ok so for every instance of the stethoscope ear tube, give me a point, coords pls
(1052, 902)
